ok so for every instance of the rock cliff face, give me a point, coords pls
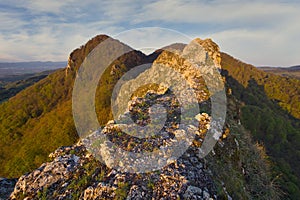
(200, 74)
(212, 49)
(78, 55)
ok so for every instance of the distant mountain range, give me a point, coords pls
(293, 71)
(19, 68)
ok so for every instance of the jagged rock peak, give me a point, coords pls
(212, 49)
(77, 56)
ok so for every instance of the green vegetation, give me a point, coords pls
(240, 167)
(271, 113)
(286, 91)
(121, 191)
(10, 86)
(151, 184)
(108, 80)
(39, 119)
(42, 194)
(34, 123)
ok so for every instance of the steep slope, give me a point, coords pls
(271, 113)
(33, 117)
(236, 168)
(39, 119)
(282, 89)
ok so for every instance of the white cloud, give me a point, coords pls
(259, 32)
(151, 38)
(175, 11)
(10, 21)
(40, 6)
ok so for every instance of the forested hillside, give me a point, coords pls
(292, 72)
(11, 85)
(39, 119)
(271, 113)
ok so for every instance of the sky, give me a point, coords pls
(262, 33)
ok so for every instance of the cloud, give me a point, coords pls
(47, 6)
(175, 11)
(149, 39)
(9, 22)
(259, 32)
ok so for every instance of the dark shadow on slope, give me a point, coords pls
(275, 128)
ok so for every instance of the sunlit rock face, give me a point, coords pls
(212, 49)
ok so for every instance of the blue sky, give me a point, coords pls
(258, 32)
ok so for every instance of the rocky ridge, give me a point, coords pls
(67, 177)
(74, 173)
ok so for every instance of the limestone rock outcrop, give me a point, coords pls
(212, 49)
(74, 173)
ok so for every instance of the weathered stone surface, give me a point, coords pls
(99, 191)
(6, 187)
(193, 192)
(212, 49)
(74, 172)
(50, 175)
